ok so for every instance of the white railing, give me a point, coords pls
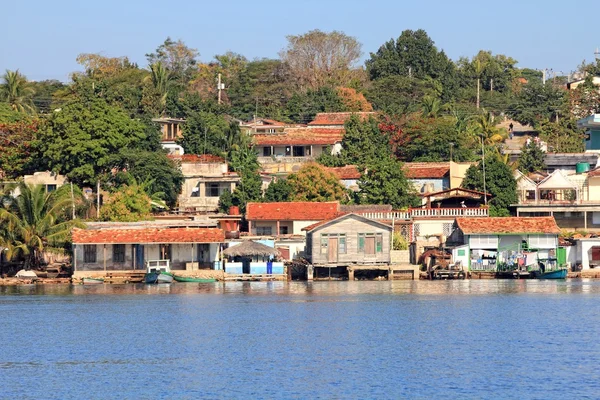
(449, 212)
(426, 213)
(386, 215)
(284, 159)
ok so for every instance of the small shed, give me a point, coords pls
(348, 240)
(250, 257)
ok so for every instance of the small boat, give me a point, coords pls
(180, 278)
(26, 275)
(158, 271)
(555, 274)
(92, 281)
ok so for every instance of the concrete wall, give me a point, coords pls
(458, 171)
(294, 227)
(432, 227)
(203, 169)
(584, 251)
(400, 257)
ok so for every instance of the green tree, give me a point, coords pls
(414, 55)
(16, 139)
(278, 191)
(396, 94)
(35, 222)
(303, 106)
(16, 91)
(127, 204)
(363, 142)
(384, 182)
(536, 103)
(563, 137)
(244, 162)
(204, 133)
(225, 202)
(160, 79)
(531, 158)
(160, 173)
(44, 94)
(433, 139)
(79, 140)
(499, 182)
(314, 183)
(178, 58)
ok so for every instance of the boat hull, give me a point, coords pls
(558, 274)
(192, 279)
(155, 277)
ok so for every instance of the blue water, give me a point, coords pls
(333, 340)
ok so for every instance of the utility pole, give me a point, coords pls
(98, 199)
(483, 161)
(220, 87)
(72, 201)
(491, 85)
(544, 76)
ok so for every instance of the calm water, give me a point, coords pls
(358, 340)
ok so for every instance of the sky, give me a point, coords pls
(44, 37)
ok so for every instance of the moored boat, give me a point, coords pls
(560, 273)
(158, 271)
(180, 278)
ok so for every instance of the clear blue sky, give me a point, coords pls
(42, 38)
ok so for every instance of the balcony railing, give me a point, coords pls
(427, 213)
(284, 159)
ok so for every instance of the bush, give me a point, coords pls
(399, 243)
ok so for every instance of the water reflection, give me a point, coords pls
(321, 288)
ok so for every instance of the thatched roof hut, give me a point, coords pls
(249, 248)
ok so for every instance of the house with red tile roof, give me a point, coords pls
(263, 126)
(496, 243)
(120, 246)
(283, 218)
(284, 222)
(348, 175)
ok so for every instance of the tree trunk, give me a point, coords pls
(478, 93)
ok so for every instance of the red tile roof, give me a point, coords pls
(198, 158)
(292, 211)
(346, 172)
(148, 235)
(419, 170)
(507, 225)
(301, 136)
(339, 118)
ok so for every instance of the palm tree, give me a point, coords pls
(487, 129)
(17, 92)
(430, 106)
(161, 81)
(36, 222)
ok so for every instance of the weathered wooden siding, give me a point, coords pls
(351, 226)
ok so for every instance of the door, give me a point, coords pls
(370, 245)
(332, 250)
(139, 257)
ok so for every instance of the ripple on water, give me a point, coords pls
(455, 339)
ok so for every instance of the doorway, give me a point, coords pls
(332, 250)
(139, 257)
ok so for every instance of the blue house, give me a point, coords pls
(592, 126)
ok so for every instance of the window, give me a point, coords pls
(288, 151)
(342, 244)
(50, 188)
(448, 228)
(324, 244)
(484, 242)
(89, 253)
(283, 230)
(264, 230)
(370, 243)
(267, 151)
(298, 151)
(212, 190)
(542, 241)
(118, 253)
